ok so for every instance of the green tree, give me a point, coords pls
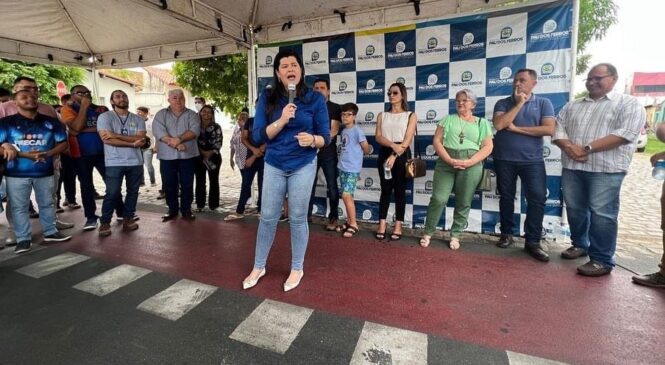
(222, 80)
(596, 17)
(46, 76)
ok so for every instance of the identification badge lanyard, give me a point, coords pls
(123, 130)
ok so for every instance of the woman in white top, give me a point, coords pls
(394, 132)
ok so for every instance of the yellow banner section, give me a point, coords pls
(387, 30)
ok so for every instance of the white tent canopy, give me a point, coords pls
(129, 33)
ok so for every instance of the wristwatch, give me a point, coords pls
(588, 148)
(313, 145)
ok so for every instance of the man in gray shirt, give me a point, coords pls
(123, 134)
(597, 134)
(176, 129)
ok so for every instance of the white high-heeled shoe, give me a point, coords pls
(246, 284)
(290, 286)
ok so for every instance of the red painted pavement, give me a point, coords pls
(516, 304)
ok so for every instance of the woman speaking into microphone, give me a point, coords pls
(293, 122)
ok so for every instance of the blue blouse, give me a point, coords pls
(283, 151)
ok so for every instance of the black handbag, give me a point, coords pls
(415, 167)
(485, 183)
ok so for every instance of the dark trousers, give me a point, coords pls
(84, 169)
(213, 175)
(329, 167)
(396, 185)
(247, 179)
(113, 180)
(178, 175)
(67, 178)
(534, 181)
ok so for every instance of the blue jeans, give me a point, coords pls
(281, 183)
(329, 167)
(592, 203)
(178, 174)
(113, 180)
(534, 181)
(147, 162)
(18, 192)
(247, 179)
(84, 169)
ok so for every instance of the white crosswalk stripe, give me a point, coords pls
(272, 326)
(112, 280)
(49, 266)
(515, 358)
(178, 299)
(379, 344)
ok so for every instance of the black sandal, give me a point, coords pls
(380, 235)
(351, 230)
(395, 237)
(341, 228)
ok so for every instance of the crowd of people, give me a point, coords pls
(46, 147)
(292, 136)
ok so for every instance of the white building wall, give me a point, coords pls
(105, 86)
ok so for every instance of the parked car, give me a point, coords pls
(641, 143)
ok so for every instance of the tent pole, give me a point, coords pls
(573, 46)
(251, 71)
(95, 82)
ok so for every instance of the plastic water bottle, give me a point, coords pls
(549, 231)
(566, 233)
(558, 233)
(386, 172)
(658, 172)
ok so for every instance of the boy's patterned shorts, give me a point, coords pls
(348, 181)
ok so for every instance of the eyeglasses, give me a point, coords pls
(391, 93)
(348, 114)
(596, 78)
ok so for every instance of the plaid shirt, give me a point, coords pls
(238, 147)
(585, 120)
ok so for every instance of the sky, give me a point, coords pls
(634, 44)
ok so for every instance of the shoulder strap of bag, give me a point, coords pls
(415, 140)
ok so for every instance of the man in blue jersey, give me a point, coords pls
(38, 139)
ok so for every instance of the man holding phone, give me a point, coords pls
(521, 121)
(81, 119)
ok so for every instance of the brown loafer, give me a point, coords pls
(594, 268)
(573, 252)
(104, 230)
(505, 241)
(655, 280)
(129, 225)
(536, 251)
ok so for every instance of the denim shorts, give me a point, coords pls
(348, 181)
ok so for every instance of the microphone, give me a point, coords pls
(292, 92)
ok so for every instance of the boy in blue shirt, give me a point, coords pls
(354, 145)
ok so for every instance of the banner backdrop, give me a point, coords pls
(434, 60)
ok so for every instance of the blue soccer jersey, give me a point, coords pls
(40, 134)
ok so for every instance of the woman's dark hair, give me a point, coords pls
(211, 110)
(402, 90)
(279, 89)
